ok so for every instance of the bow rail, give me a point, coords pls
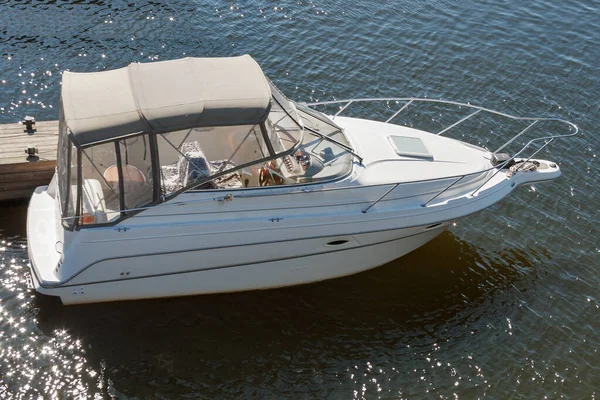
(344, 104)
(476, 110)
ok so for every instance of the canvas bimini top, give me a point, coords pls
(164, 96)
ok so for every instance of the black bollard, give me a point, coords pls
(29, 123)
(31, 154)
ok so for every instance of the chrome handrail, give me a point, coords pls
(410, 100)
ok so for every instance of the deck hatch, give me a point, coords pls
(407, 146)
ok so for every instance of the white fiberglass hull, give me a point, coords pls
(216, 241)
(359, 253)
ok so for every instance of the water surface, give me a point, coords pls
(504, 305)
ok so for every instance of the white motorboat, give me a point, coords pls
(198, 176)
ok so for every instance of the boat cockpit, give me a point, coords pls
(103, 181)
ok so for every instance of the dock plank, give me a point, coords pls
(13, 150)
(23, 185)
(14, 140)
(37, 166)
(16, 194)
(19, 175)
(26, 176)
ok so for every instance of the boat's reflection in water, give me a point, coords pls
(440, 293)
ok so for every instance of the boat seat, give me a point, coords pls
(133, 178)
(93, 204)
(193, 166)
(137, 190)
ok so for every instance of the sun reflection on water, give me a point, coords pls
(461, 317)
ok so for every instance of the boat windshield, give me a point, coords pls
(295, 145)
(284, 124)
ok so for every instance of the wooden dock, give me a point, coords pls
(20, 174)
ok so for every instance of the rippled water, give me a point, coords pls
(505, 305)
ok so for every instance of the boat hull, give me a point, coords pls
(352, 257)
(229, 240)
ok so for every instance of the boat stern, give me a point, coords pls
(43, 243)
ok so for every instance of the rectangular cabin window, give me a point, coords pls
(100, 192)
(136, 167)
(67, 170)
(188, 158)
(70, 209)
(62, 169)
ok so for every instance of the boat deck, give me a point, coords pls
(20, 174)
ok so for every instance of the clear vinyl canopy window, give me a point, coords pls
(101, 183)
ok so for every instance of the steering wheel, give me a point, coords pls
(266, 177)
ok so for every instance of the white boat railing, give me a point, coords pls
(547, 139)
(410, 100)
